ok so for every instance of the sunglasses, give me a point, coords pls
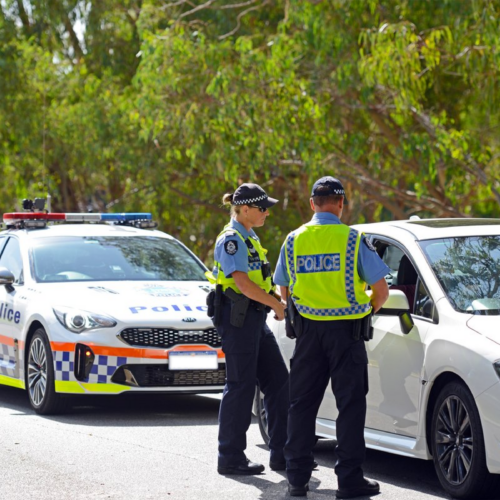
(261, 209)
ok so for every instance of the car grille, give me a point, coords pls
(161, 376)
(168, 337)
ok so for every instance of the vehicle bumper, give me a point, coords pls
(488, 404)
(117, 369)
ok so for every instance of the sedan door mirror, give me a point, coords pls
(397, 305)
(396, 302)
(7, 278)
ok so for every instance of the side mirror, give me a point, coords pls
(7, 279)
(406, 322)
(397, 305)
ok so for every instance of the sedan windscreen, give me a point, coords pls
(110, 258)
(468, 269)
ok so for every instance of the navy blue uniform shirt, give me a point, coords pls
(231, 252)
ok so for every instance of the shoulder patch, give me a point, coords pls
(368, 243)
(231, 247)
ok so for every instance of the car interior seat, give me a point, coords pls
(406, 280)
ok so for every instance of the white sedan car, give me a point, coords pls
(434, 378)
(102, 308)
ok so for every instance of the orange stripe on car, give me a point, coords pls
(6, 340)
(132, 352)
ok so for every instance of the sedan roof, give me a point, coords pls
(428, 229)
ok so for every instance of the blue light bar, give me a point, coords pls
(126, 217)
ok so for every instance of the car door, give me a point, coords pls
(11, 320)
(395, 359)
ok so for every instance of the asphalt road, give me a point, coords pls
(160, 447)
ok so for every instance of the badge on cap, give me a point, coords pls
(368, 243)
(231, 247)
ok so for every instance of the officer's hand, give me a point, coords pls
(279, 311)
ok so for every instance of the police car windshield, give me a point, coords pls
(111, 258)
(468, 269)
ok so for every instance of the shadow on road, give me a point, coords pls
(142, 410)
(406, 473)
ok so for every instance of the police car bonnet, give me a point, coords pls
(327, 186)
(252, 194)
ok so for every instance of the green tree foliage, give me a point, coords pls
(165, 105)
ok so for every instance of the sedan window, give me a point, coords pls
(403, 275)
(424, 305)
(468, 269)
(109, 258)
(11, 259)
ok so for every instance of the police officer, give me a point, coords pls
(324, 266)
(252, 354)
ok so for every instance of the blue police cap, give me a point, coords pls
(252, 194)
(328, 186)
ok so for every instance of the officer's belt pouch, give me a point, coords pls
(366, 327)
(239, 308)
(210, 304)
(293, 325)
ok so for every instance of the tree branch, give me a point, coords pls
(238, 19)
(405, 195)
(75, 43)
(198, 8)
(24, 17)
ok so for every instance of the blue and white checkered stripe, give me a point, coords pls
(341, 311)
(355, 307)
(102, 370)
(7, 360)
(349, 267)
(254, 266)
(64, 365)
(104, 367)
(289, 257)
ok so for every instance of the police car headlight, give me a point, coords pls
(78, 321)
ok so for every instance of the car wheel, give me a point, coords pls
(260, 412)
(40, 376)
(261, 415)
(458, 445)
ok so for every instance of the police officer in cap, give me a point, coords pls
(324, 267)
(243, 273)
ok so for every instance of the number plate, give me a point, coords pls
(192, 360)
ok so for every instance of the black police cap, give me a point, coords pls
(252, 194)
(328, 186)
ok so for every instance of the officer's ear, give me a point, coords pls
(311, 201)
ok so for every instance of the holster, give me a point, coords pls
(366, 326)
(214, 303)
(293, 320)
(239, 307)
(356, 330)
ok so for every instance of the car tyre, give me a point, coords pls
(260, 412)
(40, 376)
(457, 444)
(261, 415)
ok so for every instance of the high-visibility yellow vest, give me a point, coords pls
(322, 262)
(256, 258)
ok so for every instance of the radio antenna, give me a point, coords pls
(44, 166)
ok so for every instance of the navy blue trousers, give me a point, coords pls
(252, 356)
(326, 351)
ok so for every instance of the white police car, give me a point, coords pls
(434, 374)
(102, 308)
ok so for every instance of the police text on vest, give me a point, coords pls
(319, 263)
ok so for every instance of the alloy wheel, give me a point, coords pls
(454, 440)
(37, 371)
